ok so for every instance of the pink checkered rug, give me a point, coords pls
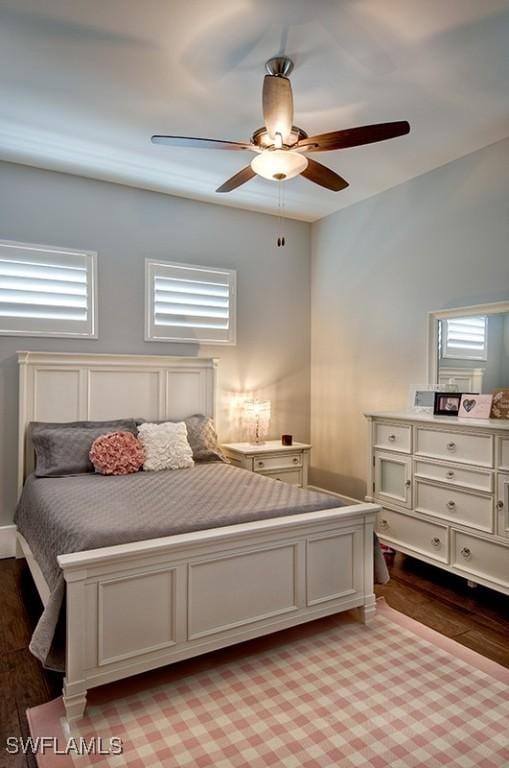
(331, 694)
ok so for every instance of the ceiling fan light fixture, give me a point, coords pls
(279, 164)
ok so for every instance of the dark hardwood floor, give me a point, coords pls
(477, 618)
(23, 682)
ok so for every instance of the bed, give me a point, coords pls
(256, 556)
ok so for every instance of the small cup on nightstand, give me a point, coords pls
(286, 439)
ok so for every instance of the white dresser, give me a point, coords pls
(444, 486)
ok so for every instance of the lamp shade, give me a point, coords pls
(279, 164)
(257, 418)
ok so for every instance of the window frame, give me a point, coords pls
(150, 265)
(92, 308)
(452, 355)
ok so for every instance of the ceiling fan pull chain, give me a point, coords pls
(279, 215)
(282, 212)
(281, 238)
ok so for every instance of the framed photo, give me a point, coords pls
(421, 397)
(475, 406)
(500, 407)
(447, 403)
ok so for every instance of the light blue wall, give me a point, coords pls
(378, 267)
(438, 241)
(125, 225)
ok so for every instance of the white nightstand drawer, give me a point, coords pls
(455, 446)
(479, 557)
(480, 480)
(292, 476)
(283, 461)
(419, 535)
(452, 504)
(393, 437)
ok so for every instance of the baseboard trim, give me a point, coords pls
(7, 541)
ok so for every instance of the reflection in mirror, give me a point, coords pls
(473, 352)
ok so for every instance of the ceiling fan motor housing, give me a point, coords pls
(279, 66)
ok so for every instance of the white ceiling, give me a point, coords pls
(84, 83)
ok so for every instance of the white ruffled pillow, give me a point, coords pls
(166, 446)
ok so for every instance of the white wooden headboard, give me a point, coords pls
(71, 387)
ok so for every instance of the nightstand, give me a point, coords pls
(289, 463)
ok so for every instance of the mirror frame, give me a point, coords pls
(495, 308)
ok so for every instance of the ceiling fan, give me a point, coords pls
(281, 146)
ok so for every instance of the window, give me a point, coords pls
(465, 338)
(189, 303)
(46, 291)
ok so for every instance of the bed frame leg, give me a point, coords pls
(74, 694)
(75, 701)
(368, 610)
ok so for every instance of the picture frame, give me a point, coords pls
(475, 406)
(421, 397)
(500, 405)
(447, 403)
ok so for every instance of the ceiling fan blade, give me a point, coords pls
(354, 137)
(323, 176)
(194, 143)
(278, 106)
(239, 178)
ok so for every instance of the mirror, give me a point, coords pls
(469, 348)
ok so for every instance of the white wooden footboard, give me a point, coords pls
(135, 607)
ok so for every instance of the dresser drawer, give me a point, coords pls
(393, 437)
(455, 505)
(284, 461)
(503, 453)
(480, 480)
(419, 535)
(482, 558)
(291, 476)
(455, 446)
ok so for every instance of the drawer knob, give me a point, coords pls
(435, 542)
(451, 505)
(408, 483)
(261, 464)
(296, 460)
(384, 524)
(392, 438)
(451, 446)
(500, 504)
(450, 475)
(466, 553)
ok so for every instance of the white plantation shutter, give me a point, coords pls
(189, 303)
(46, 291)
(465, 338)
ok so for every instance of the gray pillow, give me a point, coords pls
(202, 437)
(62, 449)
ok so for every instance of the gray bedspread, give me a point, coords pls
(72, 514)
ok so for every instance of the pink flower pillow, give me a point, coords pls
(117, 453)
